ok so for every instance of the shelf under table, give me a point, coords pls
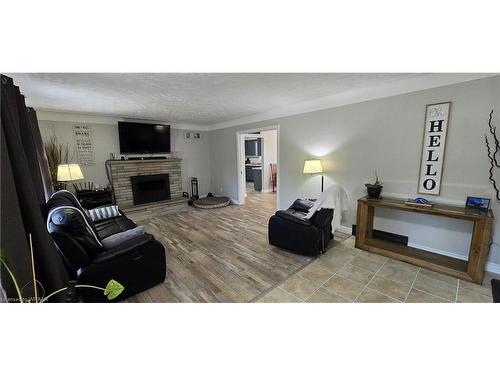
(436, 262)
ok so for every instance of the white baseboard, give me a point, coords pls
(493, 267)
(345, 230)
(437, 251)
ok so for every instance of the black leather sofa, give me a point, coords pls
(290, 230)
(137, 264)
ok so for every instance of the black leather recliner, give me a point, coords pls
(138, 264)
(290, 230)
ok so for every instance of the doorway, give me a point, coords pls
(258, 171)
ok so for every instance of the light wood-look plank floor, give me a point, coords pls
(219, 255)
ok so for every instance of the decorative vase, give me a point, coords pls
(373, 190)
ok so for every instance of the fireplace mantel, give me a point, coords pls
(140, 161)
(122, 170)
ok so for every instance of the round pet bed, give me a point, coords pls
(212, 202)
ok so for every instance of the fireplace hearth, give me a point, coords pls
(150, 188)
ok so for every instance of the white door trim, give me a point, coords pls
(240, 162)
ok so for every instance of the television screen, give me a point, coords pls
(138, 138)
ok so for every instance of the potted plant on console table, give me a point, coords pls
(374, 189)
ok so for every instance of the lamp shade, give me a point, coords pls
(313, 166)
(69, 172)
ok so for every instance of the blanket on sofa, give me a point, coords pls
(333, 197)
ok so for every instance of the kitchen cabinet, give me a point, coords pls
(253, 147)
(248, 173)
(257, 178)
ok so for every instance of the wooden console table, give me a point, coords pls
(471, 270)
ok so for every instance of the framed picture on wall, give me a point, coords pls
(433, 148)
(84, 144)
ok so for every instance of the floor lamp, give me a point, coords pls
(313, 167)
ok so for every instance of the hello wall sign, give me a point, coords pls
(433, 147)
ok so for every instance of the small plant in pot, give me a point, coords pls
(374, 189)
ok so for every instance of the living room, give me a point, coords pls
(195, 202)
(158, 174)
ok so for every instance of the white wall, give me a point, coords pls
(195, 154)
(384, 134)
(270, 155)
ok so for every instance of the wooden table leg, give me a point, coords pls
(479, 249)
(364, 223)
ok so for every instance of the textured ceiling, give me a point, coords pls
(193, 98)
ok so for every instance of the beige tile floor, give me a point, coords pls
(347, 274)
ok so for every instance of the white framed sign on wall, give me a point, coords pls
(84, 144)
(433, 148)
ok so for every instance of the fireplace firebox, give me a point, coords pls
(150, 188)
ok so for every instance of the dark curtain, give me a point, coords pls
(23, 145)
(13, 239)
(43, 163)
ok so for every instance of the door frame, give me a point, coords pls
(244, 138)
(240, 162)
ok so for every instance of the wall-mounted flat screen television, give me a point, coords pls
(139, 138)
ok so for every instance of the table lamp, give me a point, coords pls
(69, 172)
(312, 167)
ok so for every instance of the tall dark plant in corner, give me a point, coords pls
(493, 155)
(57, 153)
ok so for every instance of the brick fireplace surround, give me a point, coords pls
(122, 170)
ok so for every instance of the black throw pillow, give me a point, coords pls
(303, 205)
